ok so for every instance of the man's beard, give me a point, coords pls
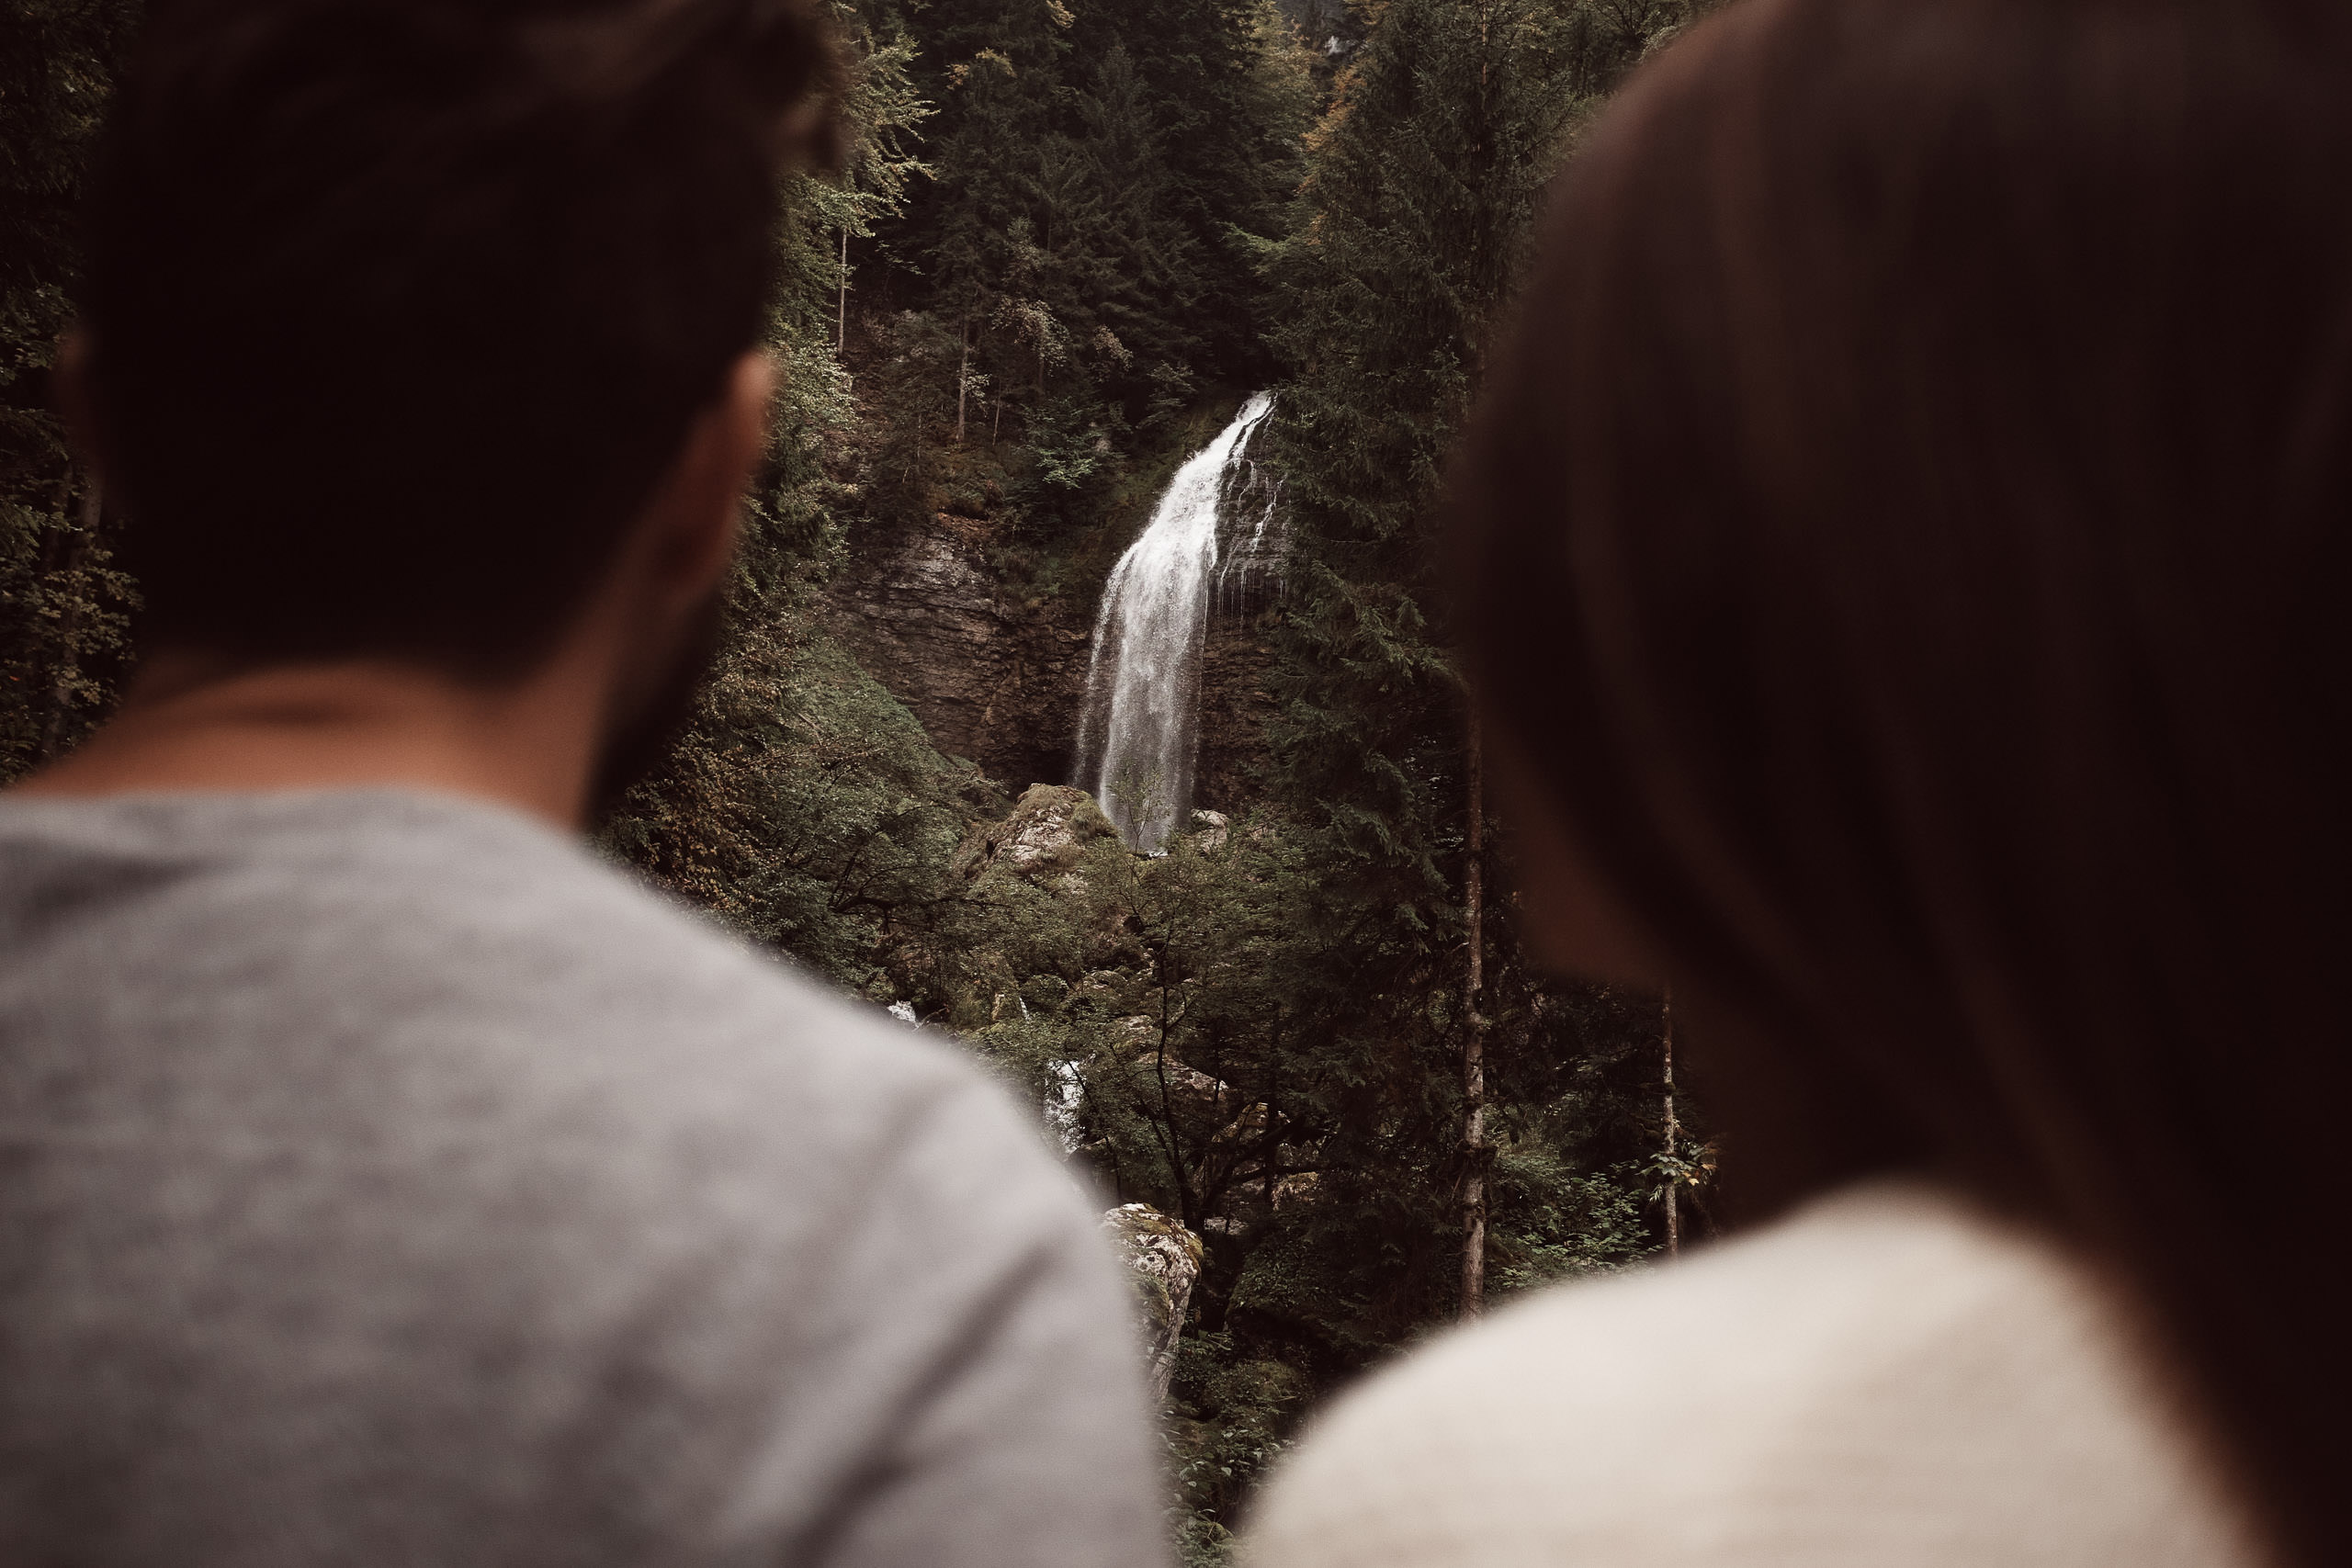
(650, 719)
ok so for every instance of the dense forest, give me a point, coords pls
(1071, 237)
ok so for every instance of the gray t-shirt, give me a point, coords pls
(385, 1182)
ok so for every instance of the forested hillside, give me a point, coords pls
(1073, 235)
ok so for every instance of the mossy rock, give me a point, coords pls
(1045, 835)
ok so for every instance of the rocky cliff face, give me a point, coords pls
(991, 679)
(1235, 708)
(999, 680)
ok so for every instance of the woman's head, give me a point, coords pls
(1907, 538)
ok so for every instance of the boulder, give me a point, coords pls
(1048, 832)
(1189, 1083)
(1210, 830)
(1163, 1258)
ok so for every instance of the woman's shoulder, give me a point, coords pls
(1886, 1375)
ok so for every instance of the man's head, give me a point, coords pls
(399, 311)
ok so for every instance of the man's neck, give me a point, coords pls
(529, 745)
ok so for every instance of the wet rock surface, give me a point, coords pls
(1234, 706)
(992, 679)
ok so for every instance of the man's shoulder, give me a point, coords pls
(439, 1128)
(525, 923)
(1887, 1374)
(411, 961)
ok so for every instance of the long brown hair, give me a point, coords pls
(1907, 532)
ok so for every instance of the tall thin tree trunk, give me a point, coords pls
(1272, 1157)
(963, 379)
(1673, 1187)
(1474, 915)
(840, 314)
(1473, 1042)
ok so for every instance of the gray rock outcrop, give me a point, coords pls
(1163, 1258)
(1048, 832)
(1211, 830)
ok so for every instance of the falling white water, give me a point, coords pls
(1139, 730)
(1065, 1096)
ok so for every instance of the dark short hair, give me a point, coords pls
(1908, 534)
(398, 309)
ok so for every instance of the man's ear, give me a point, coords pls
(693, 515)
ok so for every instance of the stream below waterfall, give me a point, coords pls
(1138, 732)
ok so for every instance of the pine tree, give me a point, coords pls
(884, 112)
(981, 230)
(1106, 177)
(1144, 303)
(1415, 216)
(1224, 82)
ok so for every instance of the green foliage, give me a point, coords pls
(1190, 1026)
(65, 604)
(1085, 261)
(805, 806)
(1554, 1220)
(1414, 220)
(1243, 1409)
(1071, 440)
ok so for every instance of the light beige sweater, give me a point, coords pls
(1883, 1379)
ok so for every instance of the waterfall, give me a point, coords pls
(1065, 1098)
(1137, 732)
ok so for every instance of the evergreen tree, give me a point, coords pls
(883, 112)
(1226, 129)
(1415, 214)
(1106, 176)
(985, 228)
(1144, 301)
